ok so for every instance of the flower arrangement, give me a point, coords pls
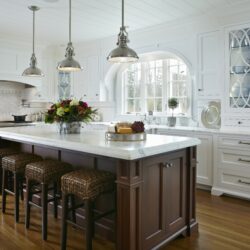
(70, 110)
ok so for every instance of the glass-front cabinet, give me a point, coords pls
(239, 68)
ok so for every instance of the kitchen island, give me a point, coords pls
(155, 179)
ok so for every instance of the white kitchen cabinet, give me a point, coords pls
(204, 153)
(232, 165)
(209, 66)
(86, 83)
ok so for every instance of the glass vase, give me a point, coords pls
(70, 127)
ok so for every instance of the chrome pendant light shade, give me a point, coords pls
(122, 54)
(69, 63)
(33, 70)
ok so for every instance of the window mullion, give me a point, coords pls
(143, 87)
(165, 85)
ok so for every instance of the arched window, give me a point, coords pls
(147, 86)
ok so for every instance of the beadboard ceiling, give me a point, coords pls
(94, 19)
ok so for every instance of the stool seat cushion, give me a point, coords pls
(87, 183)
(17, 162)
(7, 151)
(47, 171)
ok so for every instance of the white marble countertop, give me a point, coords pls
(93, 142)
(236, 131)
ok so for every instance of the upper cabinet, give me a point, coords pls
(86, 83)
(209, 65)
(238, 68)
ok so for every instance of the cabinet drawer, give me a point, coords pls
(229, 158)
(235, 180)
(234, 142)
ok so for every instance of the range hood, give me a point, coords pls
(17, 79)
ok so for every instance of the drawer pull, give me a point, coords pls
(244, 182)
(168, 165)
(244, 142)
(243, 160)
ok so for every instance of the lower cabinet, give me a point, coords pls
(164, 197)
(204, 154)
(232, 166)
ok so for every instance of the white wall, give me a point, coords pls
(181, 37)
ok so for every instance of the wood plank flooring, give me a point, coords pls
(224, 224)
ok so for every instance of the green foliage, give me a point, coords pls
(173, 103)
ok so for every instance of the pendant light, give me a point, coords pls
(122, 54)
(33, 70)
(69, 63)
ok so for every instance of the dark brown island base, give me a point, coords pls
(155, 181)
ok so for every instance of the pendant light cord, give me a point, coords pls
(70, 21)
(122, 13)
(33, 48)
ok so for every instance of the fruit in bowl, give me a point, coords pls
(128, 128)
(138, 127)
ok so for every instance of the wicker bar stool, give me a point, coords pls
(15, 164)
(43, 173)
(5, 152)
(87, 185)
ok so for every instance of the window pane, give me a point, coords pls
(158, 105)
(175, 89)
(159, 63)
(130, 105)
(150, 105)
(152, 64)
(159, 75)
(137, 105)
(130, 91)
(130, 77)
(158, 90)
(137, 90)
(150, 90)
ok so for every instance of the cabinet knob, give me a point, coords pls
(85, 95)
(168, 165)
(97, 94)
(200, 89)
(239, 122)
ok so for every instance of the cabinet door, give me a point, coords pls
(204, 154)
(209, 84)
(205, 160)
(86, 83)
(175, 191)
(163, 199)
(237, 69)
(80, 81)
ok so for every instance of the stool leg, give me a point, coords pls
(1, 178)
(73, 203)
(16, 195)
(64, 221)
(89, 223)
(44, 210)
(21, 189)
(55, 198)
(4, 183)
(27, 204)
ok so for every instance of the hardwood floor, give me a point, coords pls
(224, 224)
